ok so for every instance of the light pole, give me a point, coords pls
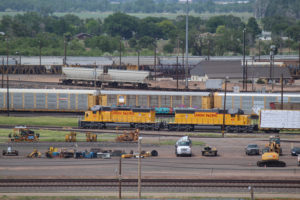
(17, 53)
(272, 53)
(155, 61)
(65, 51)
(40, 47)
(224, 106)
(244, 52)
(139, 168)
(7, 79)
(120, 52)
(186, 44)
(2, 71)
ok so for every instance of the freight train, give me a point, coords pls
(68, 100)
(101, 117)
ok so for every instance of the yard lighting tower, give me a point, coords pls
(186, 42)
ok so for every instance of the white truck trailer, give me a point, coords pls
(279, 119)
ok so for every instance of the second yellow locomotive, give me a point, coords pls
(191, 119)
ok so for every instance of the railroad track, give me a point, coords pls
(167, 183)
(143, 132)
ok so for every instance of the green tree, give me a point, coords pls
(120, 24)
(252, 29)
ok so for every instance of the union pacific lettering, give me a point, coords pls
(121, 112)
(205, 114)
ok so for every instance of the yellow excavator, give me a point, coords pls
(270, 154)
(91, 137)
(70, 137)
(34, 154)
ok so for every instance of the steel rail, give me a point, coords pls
(165, 133)
(168, 183)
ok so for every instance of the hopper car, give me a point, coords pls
(99, 76)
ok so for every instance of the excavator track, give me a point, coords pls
(271, 163)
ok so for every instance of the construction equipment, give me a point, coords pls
(71, 137)
(66, 153)
(132, 136)
(274, 145)
(52, 152)
(10, 152)
(270, 156)
(91, 137)
(209, 151)
(34, 154)
(22, 133)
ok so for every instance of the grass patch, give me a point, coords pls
(45, 135)
(39, 121)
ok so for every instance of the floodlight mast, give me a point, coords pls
(186, 41)
(187, 44)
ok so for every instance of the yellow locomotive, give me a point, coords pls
(103, 116)
(191, 119)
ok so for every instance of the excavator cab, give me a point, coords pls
(270, 156)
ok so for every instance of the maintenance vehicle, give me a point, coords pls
(183, 147)
(10, 152)
(209, 151)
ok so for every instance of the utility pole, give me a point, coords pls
(155, 62)
(120, 53)
(281, 105)
(224, 107)
(120, 178)
(177, 73)
(272, 53)
(208, 57)
(139, 169)
(138, 59)
(2, 72)
(40, 43)
(95, 80)
(186, 44)
(7, 79)
(244, 52)
(259, 50)
(65, 50)
(246, 75)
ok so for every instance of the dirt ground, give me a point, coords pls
(168, 83)
(231, 160)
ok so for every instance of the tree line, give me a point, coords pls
(128, 6)
(221, 35)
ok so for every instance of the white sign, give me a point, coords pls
(280, 119)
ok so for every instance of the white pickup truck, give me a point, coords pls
(183, 147)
